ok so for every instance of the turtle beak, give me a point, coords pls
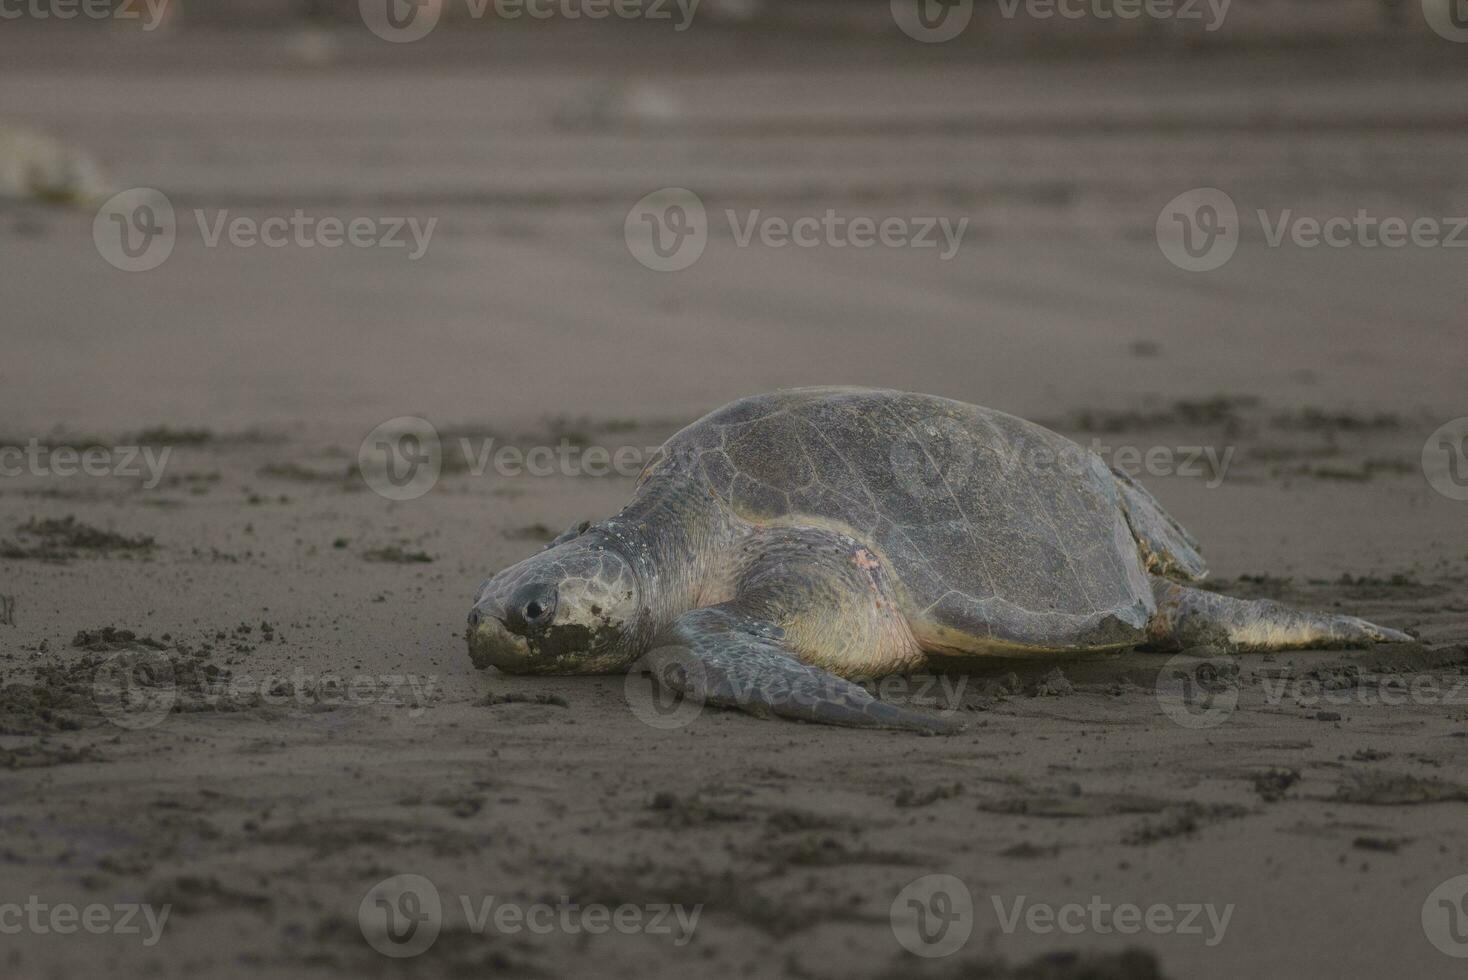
(492, 644)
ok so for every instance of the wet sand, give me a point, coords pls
(265, 816)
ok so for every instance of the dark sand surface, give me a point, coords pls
(264, 825)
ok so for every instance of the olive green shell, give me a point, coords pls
(1003, 535)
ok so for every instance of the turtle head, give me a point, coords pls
(574, 608)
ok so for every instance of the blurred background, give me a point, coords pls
(526, 135)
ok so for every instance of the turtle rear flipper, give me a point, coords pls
(1193, 617)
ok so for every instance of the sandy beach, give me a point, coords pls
(321, 729)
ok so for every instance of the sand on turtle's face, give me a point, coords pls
(576, 608)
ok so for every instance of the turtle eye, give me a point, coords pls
(535, 605)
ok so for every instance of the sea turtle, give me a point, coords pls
(790, 542)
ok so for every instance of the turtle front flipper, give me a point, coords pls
(812, 609)
(721, 657)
